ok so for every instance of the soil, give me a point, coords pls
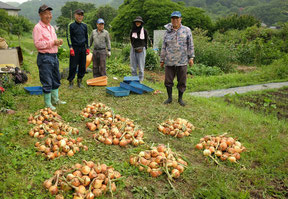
(152, 76)
(272, 102)
(158, 76)
(245, 69)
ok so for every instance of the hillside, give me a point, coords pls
(262, 9)
(214, 8)
(29, 9)
(15, 4)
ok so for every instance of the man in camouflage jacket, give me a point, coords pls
(177, 51)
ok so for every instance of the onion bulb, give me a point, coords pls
(206, 152)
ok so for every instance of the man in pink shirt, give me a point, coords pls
(46, 42)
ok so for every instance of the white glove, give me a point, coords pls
(109, 53)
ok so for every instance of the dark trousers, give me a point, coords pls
(49, 74)
(99, 63)
(78, 60)
(180, 72)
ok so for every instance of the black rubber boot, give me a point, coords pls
(79, 84)
(169, 92)
(180, 101)
(71, 85)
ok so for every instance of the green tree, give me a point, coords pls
(107, 13)
(155, 15)
(236, 22)
(20, 25)
(68, 9)
(14, 24)
(67, 14)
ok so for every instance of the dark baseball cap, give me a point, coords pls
(43, 8)
(79, 11)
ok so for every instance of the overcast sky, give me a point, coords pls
(18, 1)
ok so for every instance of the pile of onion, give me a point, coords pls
(221, 147)
(44, 116)
(115, 130)
(87, 180)
(94, 110)
(158, 160)
(57, 128)
(177, 128)
(58, 145)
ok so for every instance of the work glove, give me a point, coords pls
(109, 53)
(72, 53)
(87, 51)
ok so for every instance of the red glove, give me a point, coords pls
(72, 53)
(87, 51)
(2, 89)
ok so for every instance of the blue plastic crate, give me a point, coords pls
(129, 79)
(141, 86)
(34, 90)
(131, 88)
(117, 91)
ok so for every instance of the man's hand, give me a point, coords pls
(72, 53)
(109, 53)
(161, 64)
(58, 42)
(191, 62)
(87, 51)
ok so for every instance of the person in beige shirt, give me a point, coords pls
(100, 38)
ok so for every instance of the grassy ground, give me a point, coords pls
(261, 172)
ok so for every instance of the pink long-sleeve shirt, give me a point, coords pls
(44, 36)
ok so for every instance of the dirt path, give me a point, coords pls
(244, 89)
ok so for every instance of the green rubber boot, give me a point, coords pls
(55, 98)
(47, 100)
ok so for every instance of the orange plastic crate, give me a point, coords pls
(98, 81)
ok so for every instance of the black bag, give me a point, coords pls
(20, 77)
(138, 50)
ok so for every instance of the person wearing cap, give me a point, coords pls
(101, 39)
(77, 37)
(46, 42)
(139, 40)
(177, 51)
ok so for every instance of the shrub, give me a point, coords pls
(3, 33)
(202, 70)
(125, 54)
(236, 22)
(62, 53)
(254, 45)
(213, 53)
(152, 61)
(115, 67)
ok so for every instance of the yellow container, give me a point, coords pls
(98, 81)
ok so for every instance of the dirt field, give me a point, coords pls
(270, 102)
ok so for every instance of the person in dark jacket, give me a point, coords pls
(77, 37)
(139, 41)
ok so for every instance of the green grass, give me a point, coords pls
(270, 102)
(276, 72)
(22, 172)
